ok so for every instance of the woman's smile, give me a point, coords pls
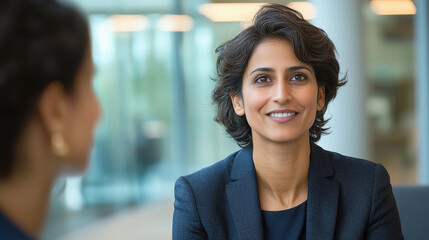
(282, 116)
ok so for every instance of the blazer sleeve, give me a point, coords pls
(186, 220)
(384, 220)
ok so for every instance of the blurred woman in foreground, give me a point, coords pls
(48, 109)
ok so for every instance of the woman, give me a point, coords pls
(48, 108)
(275, 81)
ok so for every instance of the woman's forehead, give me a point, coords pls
(274, 53)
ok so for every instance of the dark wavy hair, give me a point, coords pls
(311, 46)
(41, 41)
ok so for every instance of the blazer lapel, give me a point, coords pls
(323, 195)
(243, 198)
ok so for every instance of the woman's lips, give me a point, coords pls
(282, 116)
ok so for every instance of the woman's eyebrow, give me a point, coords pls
(290, 69)
(294, 68)
(263, 69)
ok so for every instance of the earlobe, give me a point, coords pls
(237, 103)
(321, 98)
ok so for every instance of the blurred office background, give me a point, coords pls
(155, 61)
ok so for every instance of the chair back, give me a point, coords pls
(413, 207)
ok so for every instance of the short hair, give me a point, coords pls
(41, 41)
(311, 45)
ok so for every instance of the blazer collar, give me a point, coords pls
(323, 195)
(320, 163)
(243, 164)
(243, 197)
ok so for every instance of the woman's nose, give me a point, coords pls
(282, 92)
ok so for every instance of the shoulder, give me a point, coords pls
(358, 173)
(214, 175)
(349, 170)
(344, 161)
(366, 194)
(202, 193)
(346, 165)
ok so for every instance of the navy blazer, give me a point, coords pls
(348, 198)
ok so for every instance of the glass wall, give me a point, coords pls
(390, 67)
(154, 86)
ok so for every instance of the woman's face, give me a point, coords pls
(84, 112)
(280, 95)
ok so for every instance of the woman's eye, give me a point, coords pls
(298, 77)
(262, 79)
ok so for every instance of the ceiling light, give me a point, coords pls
(175, 23)
(391, 7)
(128, 23)
(230, 12)
(308, 10)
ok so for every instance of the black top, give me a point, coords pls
(8, 230)
(287, 224)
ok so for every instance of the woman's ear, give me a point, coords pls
(321, 98)
(53, 108)
(237, 103)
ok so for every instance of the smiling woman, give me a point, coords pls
(275, 81)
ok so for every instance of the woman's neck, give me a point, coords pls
(24, 196)
(24, 200)
(282, 173)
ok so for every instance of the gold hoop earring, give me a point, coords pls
(58, 144)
